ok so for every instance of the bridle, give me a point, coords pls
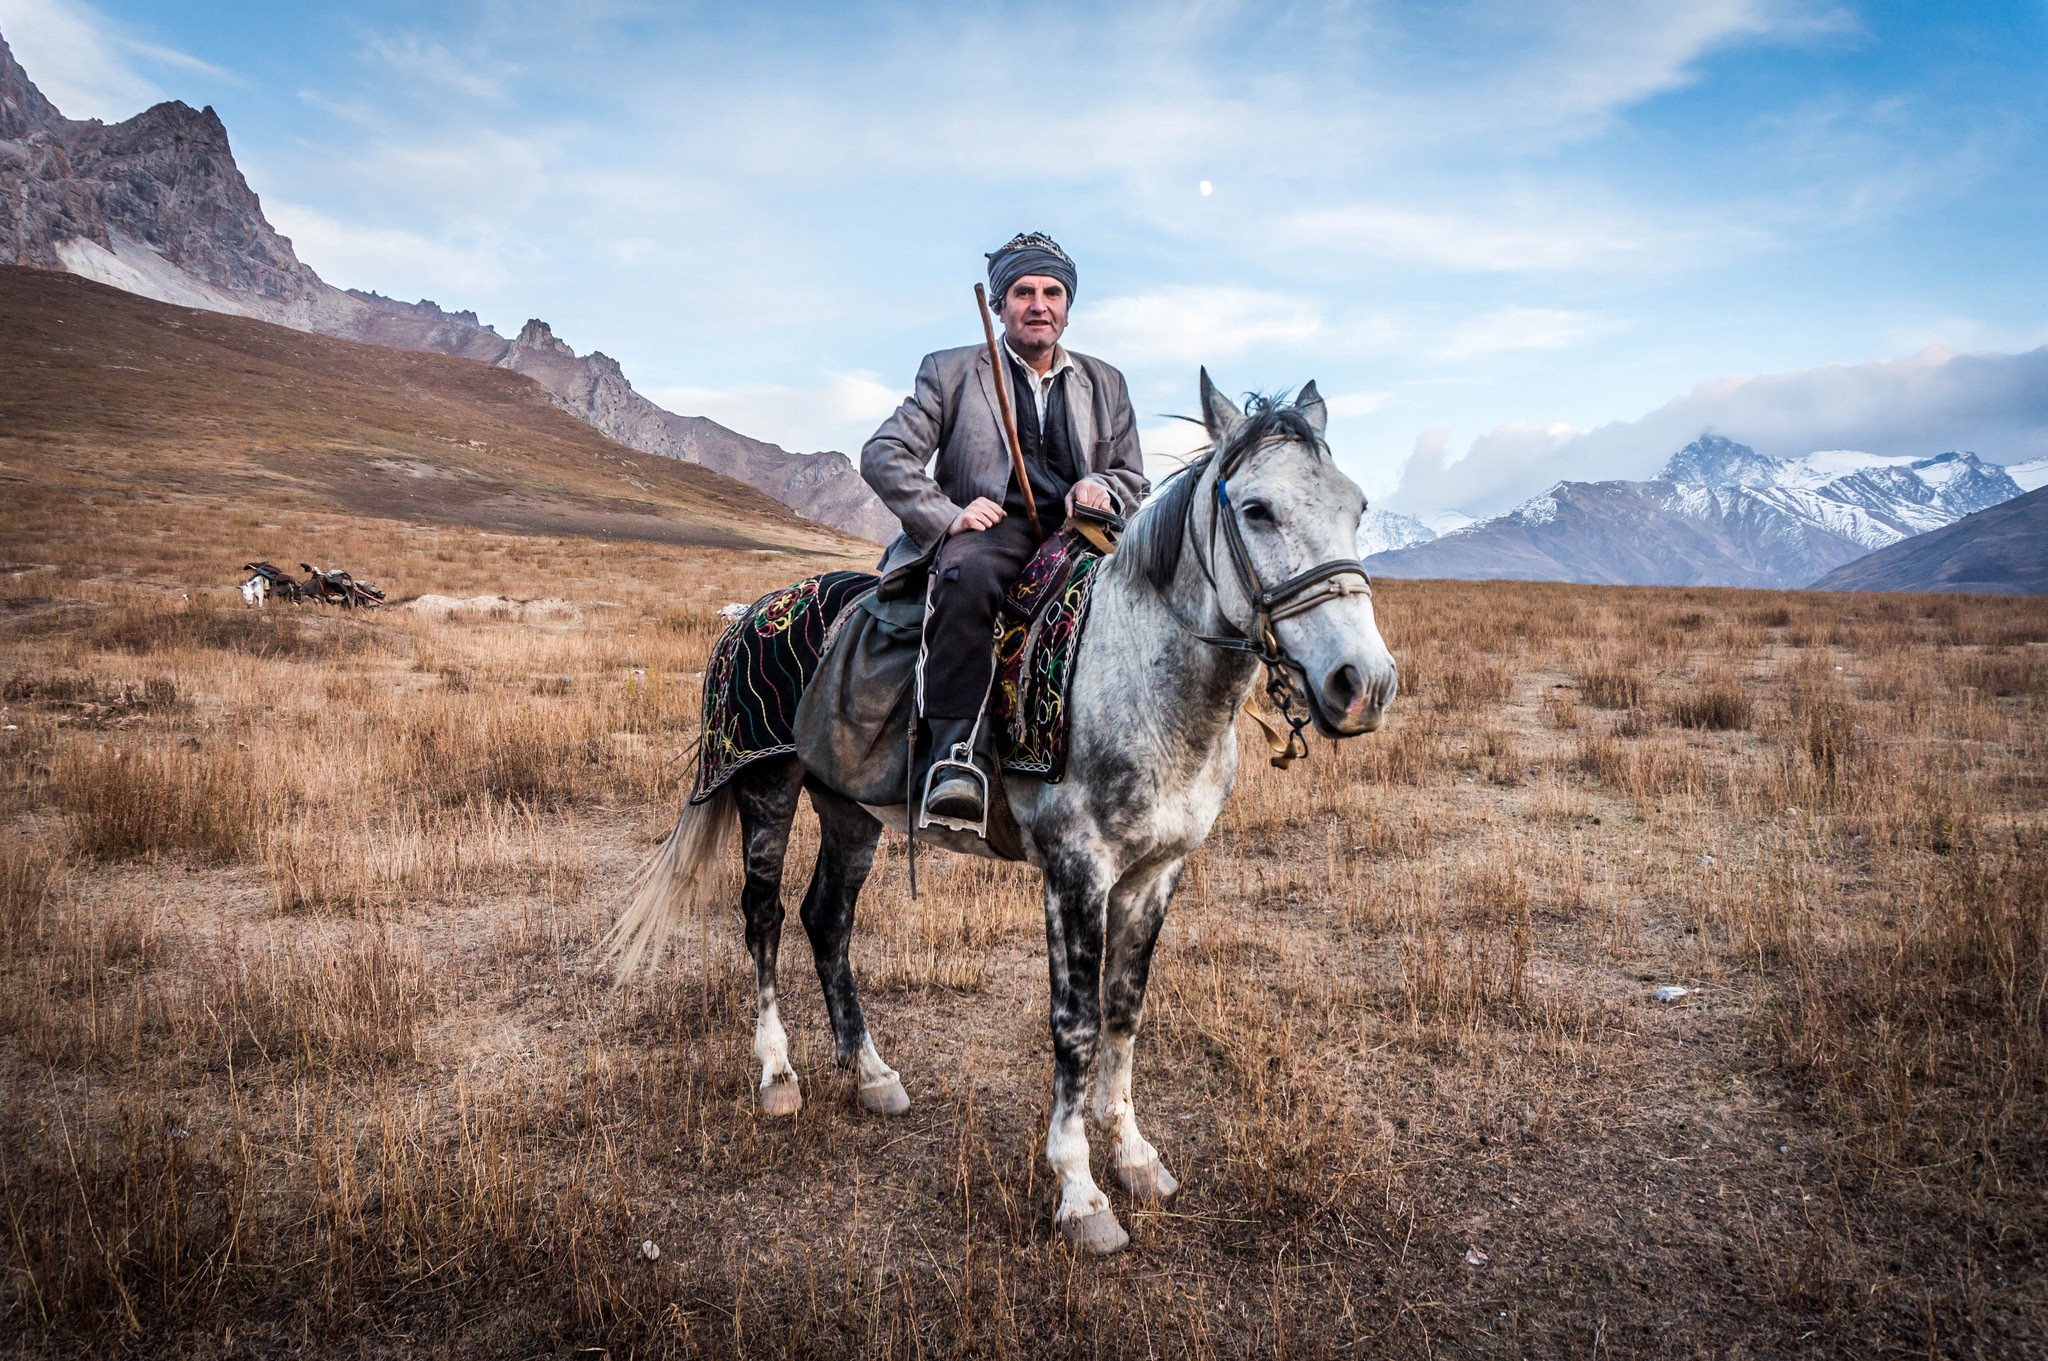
(1298, 594)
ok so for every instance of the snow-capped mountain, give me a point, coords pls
(1718, 514)
(1382, 531)
(2031, 475)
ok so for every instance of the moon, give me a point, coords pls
(1207, 188)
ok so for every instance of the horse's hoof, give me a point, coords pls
(1148, 1181)
(780, 1100)
(885, 1098)
(1098, 1234)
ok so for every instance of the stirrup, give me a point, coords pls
(960, 758)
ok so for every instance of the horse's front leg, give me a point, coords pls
(1137, 909)
(1076, 902)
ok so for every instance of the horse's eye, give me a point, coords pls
(1258, 512)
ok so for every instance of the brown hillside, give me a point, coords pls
(103, 391)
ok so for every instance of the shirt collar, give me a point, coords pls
(1061, 362)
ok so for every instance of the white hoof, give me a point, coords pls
(885, 1098)
(1098, 1234)
(1149, 1182)
(780, 1100)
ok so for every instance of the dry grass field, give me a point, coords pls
(301, 1050)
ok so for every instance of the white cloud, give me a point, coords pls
(1195, 325)
(87, 64)
(838, 412)
(1346, 404)
(424, 60)
(1524, 328)
(391, 260)
(1992, 403)
(1506, 238)
(1583, 61)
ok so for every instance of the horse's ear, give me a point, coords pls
(1309, 403)
(1219, 413)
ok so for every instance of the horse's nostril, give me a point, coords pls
(1344, 689)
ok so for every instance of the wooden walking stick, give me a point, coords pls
(1001, 373)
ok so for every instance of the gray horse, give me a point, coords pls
(1181, 618)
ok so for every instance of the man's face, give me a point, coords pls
(1035, 313)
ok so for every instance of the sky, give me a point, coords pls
(1513, 241)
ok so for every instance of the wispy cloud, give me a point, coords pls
(1524, 328)
(393, 260)
(837, 412)
(91, 66)
(1187, 325)
(426, 61)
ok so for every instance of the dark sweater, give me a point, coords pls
(1049, 455)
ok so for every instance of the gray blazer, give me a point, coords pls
(952, 413)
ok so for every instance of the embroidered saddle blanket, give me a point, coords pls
(766, 661)
(758, 670)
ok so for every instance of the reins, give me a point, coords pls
(1298, 594)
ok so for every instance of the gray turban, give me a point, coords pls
(1029, 253)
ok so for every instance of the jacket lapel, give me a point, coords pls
(1081, 415)
(985, 372)
(995, 454)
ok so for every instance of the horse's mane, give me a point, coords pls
(1153, 540)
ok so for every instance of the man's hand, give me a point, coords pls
(1089, 492)
(981, 514)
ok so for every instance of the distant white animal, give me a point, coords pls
(733, 611)
(256, 590)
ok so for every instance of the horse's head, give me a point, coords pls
(1282, 520)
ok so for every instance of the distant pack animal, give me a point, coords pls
(338, 588)
(1249, 555)
(267, 580)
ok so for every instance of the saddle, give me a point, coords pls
(827, 668)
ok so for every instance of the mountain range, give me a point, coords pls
(1718, 514)
(156, 206)
(2001, 549)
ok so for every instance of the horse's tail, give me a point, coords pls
(681, 878)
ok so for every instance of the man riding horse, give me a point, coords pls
(967, 514)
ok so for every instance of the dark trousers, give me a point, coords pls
(973, 571)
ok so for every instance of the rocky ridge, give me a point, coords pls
(2002, 550)
(1719, 514)
(156, 206)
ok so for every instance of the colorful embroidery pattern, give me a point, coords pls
(758, 670)
(1035, 655)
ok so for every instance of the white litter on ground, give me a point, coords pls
(1672, 994)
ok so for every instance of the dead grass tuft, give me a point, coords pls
(126, 800)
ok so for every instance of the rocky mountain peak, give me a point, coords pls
(196, 132)
(538, 335)
(1715, 461)
(23, 109)
(426, 309)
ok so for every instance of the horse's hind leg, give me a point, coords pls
(1137, 908)
(767, 794)
(847, 834)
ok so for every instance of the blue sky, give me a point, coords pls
(1513, 241)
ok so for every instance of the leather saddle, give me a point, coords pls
(856, 722)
